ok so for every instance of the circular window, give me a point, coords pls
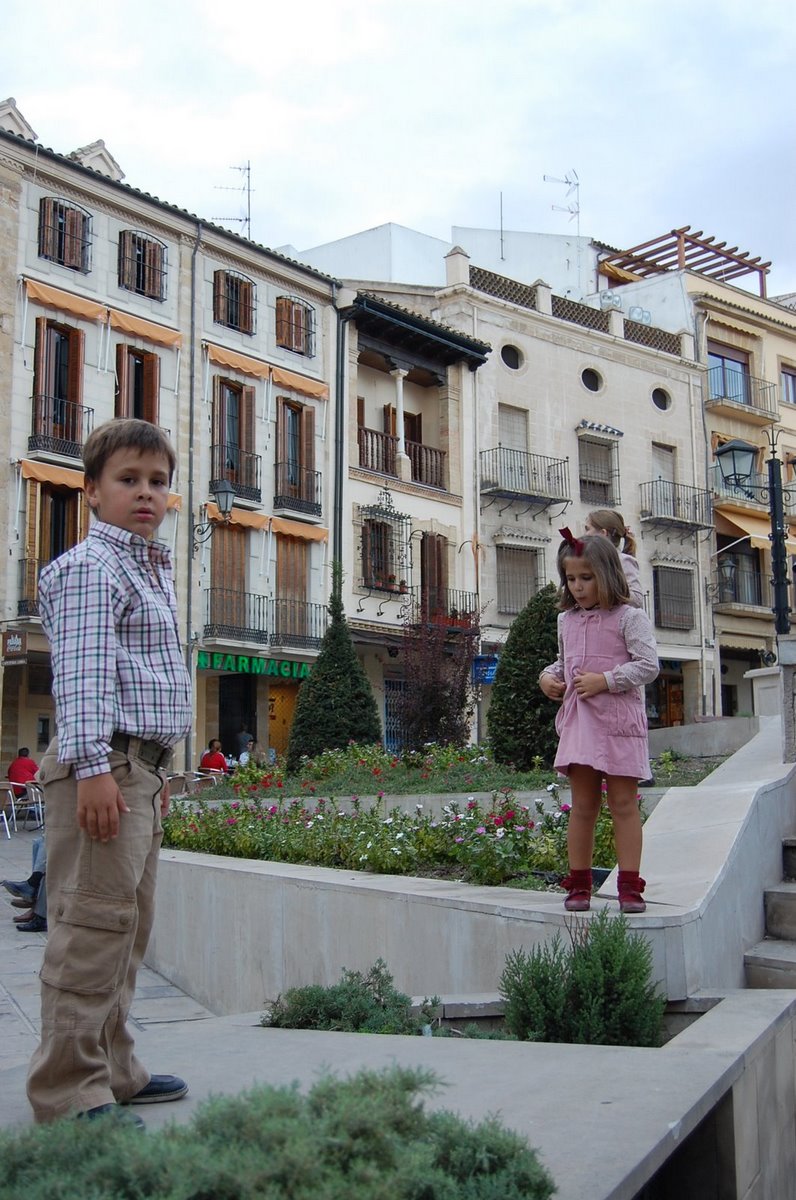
(512, 357)
(661, 399)
(591, 379)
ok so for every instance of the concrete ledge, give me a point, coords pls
(709, 852)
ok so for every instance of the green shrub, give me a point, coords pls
(359, 1003)
(363, 1138)
(521, 719)
(599, 991)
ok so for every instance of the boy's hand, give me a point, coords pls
(165, 797)
(99, 803)
(553, 688)
(589, 683)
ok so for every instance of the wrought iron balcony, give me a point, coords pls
(379, 451)
(734, 583)
(296, 623)
(675, 504)
(59, 426)
(515, 474)
(755, 495)
(735, 389)
(449, 607)
(297, 489)
(242, 468)
(236, 616)
(29, 571)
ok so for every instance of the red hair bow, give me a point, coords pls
(576, 544)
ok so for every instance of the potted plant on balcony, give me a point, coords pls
(391, 583)
(403, 587)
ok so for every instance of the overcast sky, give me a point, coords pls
(422, 112)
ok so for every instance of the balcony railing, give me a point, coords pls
(378, 452)
(450, 607)
(666, 503)
(59, 426)
(29, 571)
(235, 615)
(298, 489)
(242, 468)
(736, 583)
(297, 623)
(515, 473)
(755, 494)
(740, 388)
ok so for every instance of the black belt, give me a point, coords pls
(146, 751)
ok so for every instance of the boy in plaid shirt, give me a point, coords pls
(123, 701)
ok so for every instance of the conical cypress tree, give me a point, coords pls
(521, 718)
(335, 703)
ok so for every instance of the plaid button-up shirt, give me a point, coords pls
(109, 611)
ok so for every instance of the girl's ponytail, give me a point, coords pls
(611, 522)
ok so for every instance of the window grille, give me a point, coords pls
(517, 577)
(234, 301)
(142, 264)
(65, 233)
(295, 325)
(599, 472)
(384, 544)
(674, 597)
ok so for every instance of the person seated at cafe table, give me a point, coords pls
(213, 759)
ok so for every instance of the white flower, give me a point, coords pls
(308, 825)
(369, 845)
(499, 832)
(398, 835)
(387, 821)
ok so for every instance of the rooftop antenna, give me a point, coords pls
(244, 222)
(572, 184)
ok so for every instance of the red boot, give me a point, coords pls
(578, 884)
(631, 885)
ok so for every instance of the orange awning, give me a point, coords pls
(239, 516)
(78, 306)
(756, 528)
(299, 383)
(45, 473)
(145, 329)
(297, 529)
(64, 477)
(237, 362)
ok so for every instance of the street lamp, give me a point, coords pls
(223, 493)
(736, 461)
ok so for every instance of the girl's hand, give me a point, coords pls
(553, 688)
(589, 683)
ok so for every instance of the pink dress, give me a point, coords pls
(607, 731)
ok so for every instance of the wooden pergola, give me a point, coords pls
(680, 249)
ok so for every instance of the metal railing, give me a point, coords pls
(59, 426)
(675, 503)
(740, 388)
(236, 615)
(450, 607)
(517, 473)
(297, 488)
(296, 623)
(736, 583)
(242, 468)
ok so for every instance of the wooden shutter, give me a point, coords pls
(41, 390)
(283, 321)
(307, 452)
(30, 582)
(126, 263)
(413, 427)
(390, 425)
(291, 568)
(122, 407)
(228, 574)
(246, 306)
(367, 567)
(47, 240)
(73, 238)
(219, 421)
(153, 270)
(74, 417)
(281, 430)
(152, 387)
(247, 395)
(220, 306)
(433, 571)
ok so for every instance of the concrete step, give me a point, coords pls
(789, 857)
(780, 905)
(771, 964)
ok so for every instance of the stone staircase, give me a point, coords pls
(772, 962)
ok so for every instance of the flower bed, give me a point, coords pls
(502, 842)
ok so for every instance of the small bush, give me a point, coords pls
(598, 992)
(359, 1003)
(362, 1138)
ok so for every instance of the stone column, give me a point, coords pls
(403, 465)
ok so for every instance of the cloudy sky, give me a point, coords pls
(671, 112)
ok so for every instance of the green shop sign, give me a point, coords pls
(252, 664)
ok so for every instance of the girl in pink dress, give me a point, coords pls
(606, 654)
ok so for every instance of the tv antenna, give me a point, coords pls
(246, 186)
(572, 184)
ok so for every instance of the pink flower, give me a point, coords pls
(471, 804)
(480, 829)
(458, 840)
(510, 815)
(566, 807)
(232, 820)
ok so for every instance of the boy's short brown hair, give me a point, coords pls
(127, 433)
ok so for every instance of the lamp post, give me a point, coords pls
(736, 461)
(223, 493)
